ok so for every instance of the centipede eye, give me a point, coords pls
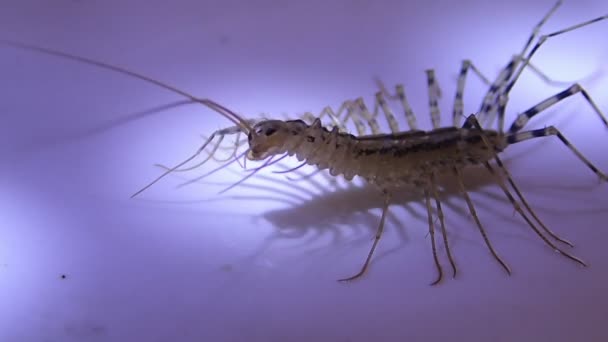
(270, 131)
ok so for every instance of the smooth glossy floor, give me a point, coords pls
(81, 261)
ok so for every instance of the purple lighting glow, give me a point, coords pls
(81, 261)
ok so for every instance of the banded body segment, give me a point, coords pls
(390, 160)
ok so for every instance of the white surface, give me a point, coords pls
(165, 268)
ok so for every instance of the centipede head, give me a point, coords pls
(268, 138)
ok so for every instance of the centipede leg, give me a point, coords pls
(509, 196)
(473, 122)
(339, 122)
(477, 222)
(535, 48)
(458, 110)
(525, 217)
(429, 213)
(210, 155)
(179, 165)
(333, 115)
(364, 112)
(552, 131)
(523, 118)
(434, 95)
(527, 205)
(388, 113)
(442, 223)
(496, 98)
(387, 198)
(400, 95)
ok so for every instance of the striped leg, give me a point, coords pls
(355, 111)
(543, 76)
(434, 96)
(360, 109)
(458, 110)
(388, 113)
(473, 121)
(488, 110)
(538, 26)
(523, 118)
(497, 96)
(494, 103)
(489, 105)
(542, 40)
(400, 95)
(538, 44)
(515, 135)
(551, 130)
(333, 115)
(352, 113)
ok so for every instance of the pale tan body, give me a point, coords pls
(386, 160)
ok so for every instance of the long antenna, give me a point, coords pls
(230, 115)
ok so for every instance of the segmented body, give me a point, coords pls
(388, 160)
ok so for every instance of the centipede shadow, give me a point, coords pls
(348, 213)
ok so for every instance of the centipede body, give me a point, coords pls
(385, 160)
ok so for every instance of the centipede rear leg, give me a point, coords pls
(503, 98)
(519, 210)
(491, 104)
(488, 111)
(459, 179)
(472, 121)
(515, 135)
(496, 98)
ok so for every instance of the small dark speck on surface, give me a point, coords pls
(84, 330)
(224, 39)
(227, 268)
